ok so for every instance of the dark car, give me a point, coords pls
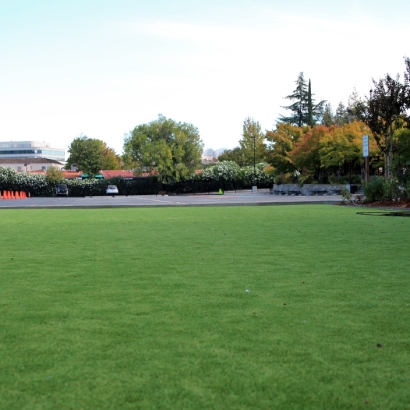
(62, 189)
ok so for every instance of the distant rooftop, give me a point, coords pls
(31, 149)
(28, 160)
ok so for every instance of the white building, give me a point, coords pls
(30, 164)
(31, 149)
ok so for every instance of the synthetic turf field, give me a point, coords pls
(204, 308)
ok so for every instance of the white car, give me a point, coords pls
(112, 190)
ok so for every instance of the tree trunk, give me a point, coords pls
(386, 165)
(310, 106)
(389, 162)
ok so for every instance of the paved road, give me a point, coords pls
(229, 198)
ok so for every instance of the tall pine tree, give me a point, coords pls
(304, 110)
(341, 116)
(327, 117)
(298, 108)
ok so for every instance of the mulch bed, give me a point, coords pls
(404, 203)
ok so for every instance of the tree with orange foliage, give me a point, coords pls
(281, 142)
(305, 155)
(343, 145)
(110, 159)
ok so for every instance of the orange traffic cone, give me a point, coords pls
(23, 195)
(7, 195)
(17, 195)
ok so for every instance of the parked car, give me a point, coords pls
(112, 190)
(62, 189)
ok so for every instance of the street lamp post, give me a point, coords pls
(254, 187)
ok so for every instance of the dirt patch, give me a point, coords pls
(402, 204)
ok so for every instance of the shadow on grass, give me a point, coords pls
(403, 213)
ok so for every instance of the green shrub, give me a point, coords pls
(346, 195)
(247, 175)
(396, 190)
(279, 179)
(221, 171)
(334, 179)
(356, 179)
(344, 179)
(377, 189)
(35, 184)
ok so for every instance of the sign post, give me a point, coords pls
(366, 156)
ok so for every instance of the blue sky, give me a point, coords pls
(102, 67)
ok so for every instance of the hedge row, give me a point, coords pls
(38, 185)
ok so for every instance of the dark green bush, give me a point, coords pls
(396, 190)
(377, 189)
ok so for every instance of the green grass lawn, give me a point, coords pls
(149, 308)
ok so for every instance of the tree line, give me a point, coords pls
(311, 143)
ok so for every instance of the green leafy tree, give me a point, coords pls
(54, 176)
(407, 91)
(92, 155)
(251, 146)
(236, 155)
(110, 159)
(252, 142)
(87, 153)
(170, 149)
(401, 138)
(383, 112)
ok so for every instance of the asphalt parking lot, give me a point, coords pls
(241, 198)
